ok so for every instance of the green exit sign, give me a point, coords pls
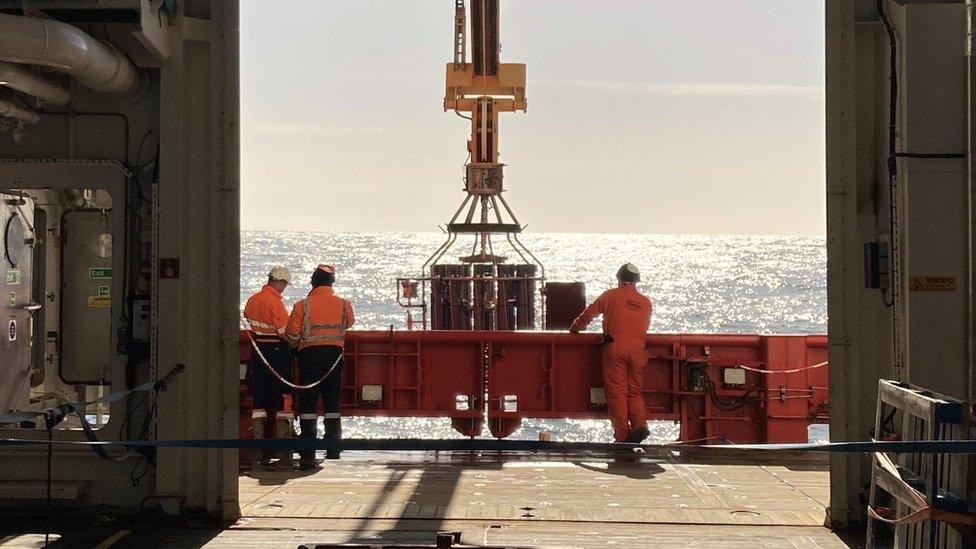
(99, 273)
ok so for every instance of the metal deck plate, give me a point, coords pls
(778, 502)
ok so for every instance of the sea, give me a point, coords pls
(724, 284)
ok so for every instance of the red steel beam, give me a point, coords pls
(558, 375)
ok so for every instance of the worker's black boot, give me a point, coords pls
(285, 430)
(333, 431)
(306, 458)
(638, 435)
(262, 456)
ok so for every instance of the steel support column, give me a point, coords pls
(198, 226)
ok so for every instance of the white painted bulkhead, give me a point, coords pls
(930, 343)
(186, 210)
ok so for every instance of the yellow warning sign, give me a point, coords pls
(932, 283)
(99, 302)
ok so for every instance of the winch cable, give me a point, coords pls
(246, 324)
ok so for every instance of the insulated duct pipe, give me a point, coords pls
(17, 78)
(10, 110)
(95, 64)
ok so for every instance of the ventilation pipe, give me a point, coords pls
(94, 64)
(10, 110)
(17, 78)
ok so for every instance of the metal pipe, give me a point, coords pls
(509, 210)
(17, 78)
(436, 256)
(542, 267)
(93, 63)
(10, 110)
(461, 207)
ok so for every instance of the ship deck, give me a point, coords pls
(695, 499)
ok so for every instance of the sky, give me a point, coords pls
(644, 116)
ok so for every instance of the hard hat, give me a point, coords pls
(628, 273)
(280, 273)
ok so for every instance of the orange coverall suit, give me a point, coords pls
(268, 317)
(317, 326)
(626, 318)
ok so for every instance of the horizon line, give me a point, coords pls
(602, 233)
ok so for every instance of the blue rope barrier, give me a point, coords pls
(492, 445)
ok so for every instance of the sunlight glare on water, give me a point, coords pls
(698, 283)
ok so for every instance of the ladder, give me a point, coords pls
(906, 483)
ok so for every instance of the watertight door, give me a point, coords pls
(16, 304)
(86, 302)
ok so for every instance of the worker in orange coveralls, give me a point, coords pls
(626, 317)
(317, 327)
(265, 312)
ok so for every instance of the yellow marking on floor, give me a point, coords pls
(111, 540)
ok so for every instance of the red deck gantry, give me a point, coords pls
(720, 388)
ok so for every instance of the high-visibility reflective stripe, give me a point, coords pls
(328, 337)
(264, 329)
(308, 416)
(284, 415)
(259, 414)
(281, 330)
(331, 415)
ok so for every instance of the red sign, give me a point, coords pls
(169, 267)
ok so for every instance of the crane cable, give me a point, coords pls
(246, 324)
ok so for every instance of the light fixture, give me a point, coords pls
(510, 403)
(372, 393)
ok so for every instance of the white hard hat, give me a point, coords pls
(280, 273)
(628, 273)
